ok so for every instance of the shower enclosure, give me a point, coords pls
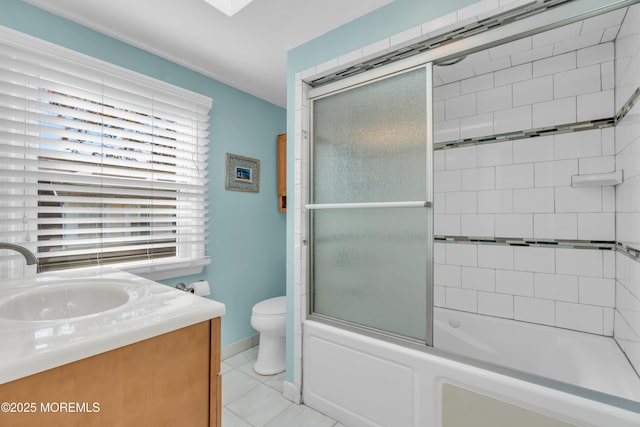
(473, 212)
(370, 206)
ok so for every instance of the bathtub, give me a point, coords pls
(560, 354)
(364, 381)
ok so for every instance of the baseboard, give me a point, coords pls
(239, 346)
(292, 392)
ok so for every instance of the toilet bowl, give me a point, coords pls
(269, 318)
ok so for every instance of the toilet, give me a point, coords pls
(269, 318)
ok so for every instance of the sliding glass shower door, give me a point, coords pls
(370, 216)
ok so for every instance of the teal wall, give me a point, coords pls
(391, 19)
(246, 231)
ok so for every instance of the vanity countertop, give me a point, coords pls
(29, 347)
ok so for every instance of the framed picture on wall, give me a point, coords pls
(243, 173)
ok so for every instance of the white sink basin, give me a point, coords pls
(66, 300)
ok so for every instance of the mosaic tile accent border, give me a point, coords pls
(624, 249)
(551, 243)
(530, 133)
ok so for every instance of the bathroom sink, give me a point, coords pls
(65, 300)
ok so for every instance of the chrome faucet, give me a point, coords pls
(26, 253)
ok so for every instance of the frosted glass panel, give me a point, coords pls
(369, 142)
(370, 267)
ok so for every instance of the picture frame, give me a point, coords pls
(243, 173)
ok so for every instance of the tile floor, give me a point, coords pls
(252, 400)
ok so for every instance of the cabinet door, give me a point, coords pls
(161, 381)
(282, 172)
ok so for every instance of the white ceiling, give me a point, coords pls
(247, 51)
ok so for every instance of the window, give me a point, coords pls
(100, 165)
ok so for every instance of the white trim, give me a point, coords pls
(239, 346)
(42, 47)
(291, 392)
(162, 269)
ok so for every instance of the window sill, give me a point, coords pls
(165, 268)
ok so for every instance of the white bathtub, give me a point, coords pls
(586, 360)
(363, 381)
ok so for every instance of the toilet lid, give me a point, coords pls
(271, 307)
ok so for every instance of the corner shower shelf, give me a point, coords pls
(597, 179)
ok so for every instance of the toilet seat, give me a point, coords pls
(273, 307)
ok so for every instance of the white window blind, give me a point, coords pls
(97, 164)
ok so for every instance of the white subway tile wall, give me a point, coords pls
(564, 88)
(526, 192)
(627, 195)
(567, 288)
(522, 188)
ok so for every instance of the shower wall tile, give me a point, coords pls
(556, 287)
(460, 106)
(603, 164)
(586, 199)
(512, 119)
(557, 34)
(596, 226)
(577, 82)
(446, 225)
(464, 254)
(554, 64)
(579, 262)
(474, 126)
(495, 256)
(553, 113)
(581, 317)
(495, 99)
(461, 158)
(535, 200)
(514, 176)
(533, 91)
(556, 173)
(514, 74)
(495, 201)
(514, 282)
(493, 304)
(597, 54)
(594, 106)
(462, 299)
(477, 225)
(476, 84)
(478, 179)
(597, 291)
(567, 288)
(514, 225)
(511, 95)
(538, 149)
(439, 296)
(627, 197)
(627, 56)
(555, 226)
(607, 71)
(480, 279)
(461, 202)
(534, 259)
(495, 154)
(447, 275)
(534, 310)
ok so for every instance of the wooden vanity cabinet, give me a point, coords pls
(169, 380)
